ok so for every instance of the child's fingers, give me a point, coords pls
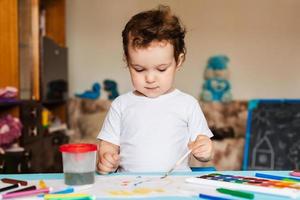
(116, 157)
(201, 151)
(191, 145)
(196, 146)
(200, 140)
(105, 165)
(117, 160)
(102, 169)
(109, 160)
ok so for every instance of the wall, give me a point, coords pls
(261, 37)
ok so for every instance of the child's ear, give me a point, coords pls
(180, 61)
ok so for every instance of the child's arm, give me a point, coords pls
(108, 157)
(202, 148)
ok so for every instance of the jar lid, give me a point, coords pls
(78, 148)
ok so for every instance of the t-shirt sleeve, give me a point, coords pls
(196, 122)
(110, 130)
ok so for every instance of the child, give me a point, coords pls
(150, 128)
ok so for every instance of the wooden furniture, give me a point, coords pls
(23, 26)
(9, 65)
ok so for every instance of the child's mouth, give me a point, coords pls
(151, 88)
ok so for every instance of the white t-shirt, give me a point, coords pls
(153, 133)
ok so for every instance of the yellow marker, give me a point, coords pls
(42, 184)
(72, 196)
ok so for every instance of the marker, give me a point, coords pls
(33, 187)
(64, 191)
(236, 193)
(9, 187)
(290, 180)
(25, 193)
(274, 177)
(69, 190)
(42, 184)
(295, 173)
(68, 196)
(205, 196)
(14, 181)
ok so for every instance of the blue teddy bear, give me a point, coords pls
(217, 67)
(216, 86)
(216, 89)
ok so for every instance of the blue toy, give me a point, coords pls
(218, 62)
(91, 94)
(111, 87)
(216, 85)
(217, 67)
(216, 89)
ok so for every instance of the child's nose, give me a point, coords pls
(150, 78)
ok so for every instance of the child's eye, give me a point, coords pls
(138, 70)
(162, 70)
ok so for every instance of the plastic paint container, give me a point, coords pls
(79, 163)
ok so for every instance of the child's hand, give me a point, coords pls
(108, 157)
(202, 148)
(108, 162)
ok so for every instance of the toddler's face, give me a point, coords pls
(153, 69)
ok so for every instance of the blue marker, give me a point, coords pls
(274, 177)
(205, 196)
(65, 191)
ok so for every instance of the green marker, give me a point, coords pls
(290, 180)
(236, 193)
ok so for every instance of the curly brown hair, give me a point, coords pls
(154, 25)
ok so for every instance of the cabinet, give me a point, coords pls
(24, 26)
(9, 63)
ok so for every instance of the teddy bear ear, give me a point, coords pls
(218, 62)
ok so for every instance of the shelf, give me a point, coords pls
(9, 102)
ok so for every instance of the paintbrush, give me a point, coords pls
(177, 163)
